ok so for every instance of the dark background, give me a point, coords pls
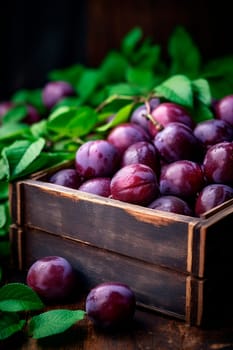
(36, 37)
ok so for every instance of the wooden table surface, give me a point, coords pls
(149, 331)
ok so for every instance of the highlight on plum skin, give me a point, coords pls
(211, 196)
(166, 113)
(223, 109)
(172, 204)
(98, 185)
(54, 91)
(218, 163)
(125, 134)
(143, 152)
(97, 158)
(135, 183)
(111, 304)
(182, 178)
(53, 278)
(66, 177)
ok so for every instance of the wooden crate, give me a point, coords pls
(178, 265)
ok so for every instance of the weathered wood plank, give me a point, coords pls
(156, 288)
(127, 229)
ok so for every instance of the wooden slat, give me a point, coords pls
(156, 288)
(216, 251)
(146, 234)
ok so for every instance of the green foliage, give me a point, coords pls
(130, 41)
(4, 250)
(11, 132)
(201, 91)
(184, 54)
(120, 117)
(10, 323)
(70, 74)
(54, 322)
(15, 114)
(219, 74)
(176, 89)
(4, 190)
(72, 121)
(24, 157)
(19, 155)
(18, 297)
(113, 68)
(32, 97)
(3, 216)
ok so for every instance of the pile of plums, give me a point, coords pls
(160, 159)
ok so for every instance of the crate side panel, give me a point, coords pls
(138, 233)
(216, 254)
(217, 301)
(155, 288)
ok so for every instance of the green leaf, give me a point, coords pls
(16, 297)
(13, 131)
(201, 113)
(43, 161)
(71, 121)
(3, 215)
(70, 74)
(220, 87)
(32, 96)
(30, 154)
(88, 83)
(4, 188)
(218, 67)
(148, 56)
(131, 40)
(10, 323)
(24, 157)
(5, 219)
(201, 91)
(69, 101)
(145, 55)
(66, 145)
(98, 97)
(15, 114)
(185, 55)
(219, 74)
(4, 249)
(177, 89)
(141, 76)
(120, 117)
(40, 129)
(20, 155)
(114, 104)
(54, 322)
(124, 89)
(105, 116)
(4, 170)
(113, 68)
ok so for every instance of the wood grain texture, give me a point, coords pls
(156, 288)
(109, 21)
(127, 229)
